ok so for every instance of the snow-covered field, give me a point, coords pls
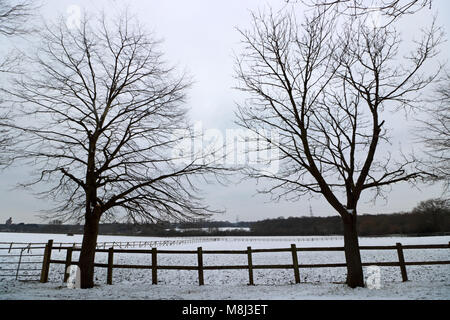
(426, 282)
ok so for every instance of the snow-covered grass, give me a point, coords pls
(426, 282)
(411, 290)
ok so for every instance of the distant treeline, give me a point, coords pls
(368, 225)
(415, 223)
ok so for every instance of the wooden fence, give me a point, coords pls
(200, 267)
(23, 260)
(119, 244)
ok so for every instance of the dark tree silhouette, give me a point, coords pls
(434, 132)
(15, 19)
(5, 138)
(433, 206)
(390, 9)
(328, 94)
(15, 16)
(97, 115)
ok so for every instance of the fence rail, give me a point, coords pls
(119, 244)
(157, 243)
(249, 252)
(18, 259)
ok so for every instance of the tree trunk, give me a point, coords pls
(87, 255)
(355, 276)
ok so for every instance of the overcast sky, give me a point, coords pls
(200, 37)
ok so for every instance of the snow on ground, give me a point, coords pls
(426, 282)
(413, 290)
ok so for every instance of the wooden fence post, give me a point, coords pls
(46, 261)
(250, 266)
(295, 263)
(401, 260)
(68, 262)
(18, 265)
(154, 267)
(110, 265)
(200, 266)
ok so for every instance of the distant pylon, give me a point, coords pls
(310, 211)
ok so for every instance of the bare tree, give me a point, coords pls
(97, 116)
(15, 19)
(432, 206)
(327, 93)
(15, 16)
(390, 9)
(5, 139)
(435, 134)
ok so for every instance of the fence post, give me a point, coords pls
(250, 265)
(18, 265)
(401, 260)
(110, 265)
(200, 266)
(154, 267)
(295, 263)
(68, 262)
(46, 261)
